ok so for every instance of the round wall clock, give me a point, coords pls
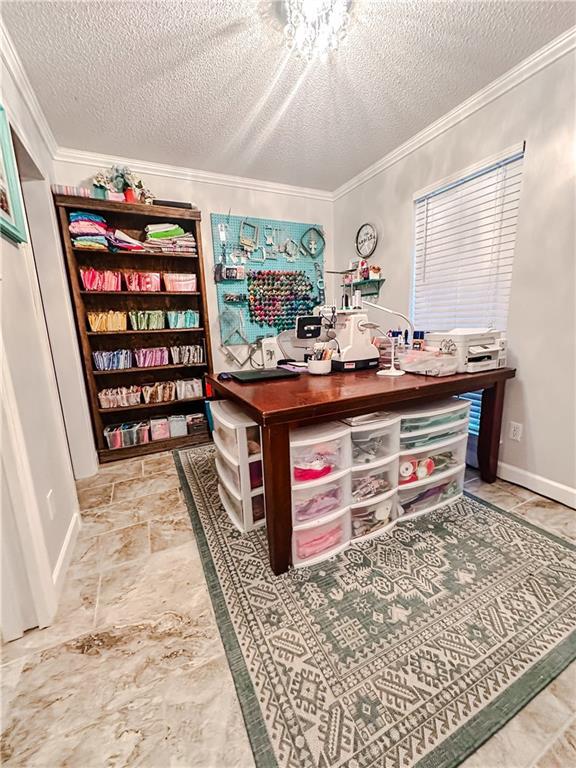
(366, 240)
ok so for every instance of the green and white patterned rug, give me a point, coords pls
(409, 649)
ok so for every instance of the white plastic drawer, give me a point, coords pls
(229, 474)
(437, 416)
(319, 451)
(229, 424)
(313, 500)
(232, 505)
(371, 517)
(433, 436)
(317, 542)
(431, 494)
(374, 479)
(376, 441)
(426, 462)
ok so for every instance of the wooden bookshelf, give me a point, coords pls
(132, 219)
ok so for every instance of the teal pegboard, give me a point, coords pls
(270, 296)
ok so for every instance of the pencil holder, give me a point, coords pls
(321, 367)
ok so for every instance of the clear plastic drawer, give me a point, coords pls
(317, 542)
(319, 451)
(228, 473)
(431, 494)
(369, 518)
(232, 505)
(422, 463)
(313, 500)
(374, 479)
(227, 420)
(431, 437)
(437, 416)
(372, 442)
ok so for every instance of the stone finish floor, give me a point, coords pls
(133, 672)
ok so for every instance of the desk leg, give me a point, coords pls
(276, 459)
(490, 426)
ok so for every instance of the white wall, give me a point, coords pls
(29, 365)
(541, 326)
(307, 207)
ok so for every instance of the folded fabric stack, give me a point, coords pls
(146, 319)
(143, 281)
(88, 230)
(184, 318)
(101, 280)
(151, 356)
(112, 361)
(112, 320)
(170, 238)
(120, 241)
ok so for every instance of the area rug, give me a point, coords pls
(409, 649)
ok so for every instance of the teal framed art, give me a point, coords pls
(11, 212)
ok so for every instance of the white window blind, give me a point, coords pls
(464, 249)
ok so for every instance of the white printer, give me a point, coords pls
(477, 349)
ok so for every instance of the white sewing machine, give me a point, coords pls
(477, 349)
(352, 334)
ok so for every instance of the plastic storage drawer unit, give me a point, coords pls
(319, 451)
(374, 441)
(422, 463)
(321, 497)
(427, 495)
(320, 540)
(239, 464)
(372, 480)
(372, 516)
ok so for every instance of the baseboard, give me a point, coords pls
(542, 485)
(59, 572)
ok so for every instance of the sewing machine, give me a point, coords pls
(353, 337)
(477, 349)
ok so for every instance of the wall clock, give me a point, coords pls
(366, 240)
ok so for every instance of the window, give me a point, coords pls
(464, 251)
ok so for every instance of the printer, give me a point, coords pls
(476, 349)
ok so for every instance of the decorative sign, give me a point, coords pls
(366, 240)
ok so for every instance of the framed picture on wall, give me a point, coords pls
(11, 212)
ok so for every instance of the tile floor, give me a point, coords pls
(133, 671)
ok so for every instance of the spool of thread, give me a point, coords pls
(407, 470)
(357, 300)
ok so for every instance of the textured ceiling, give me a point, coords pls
(207, 84)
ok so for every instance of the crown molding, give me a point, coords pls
(14, 65)
(530, 66)
(68, 155)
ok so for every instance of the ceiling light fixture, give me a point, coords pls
(316, 26)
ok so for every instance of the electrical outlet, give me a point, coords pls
(50, 503)
(515, 432)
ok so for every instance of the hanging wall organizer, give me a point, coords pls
(268, 272)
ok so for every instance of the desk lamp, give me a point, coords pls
(392, 371)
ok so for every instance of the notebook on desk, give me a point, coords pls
(250, 377)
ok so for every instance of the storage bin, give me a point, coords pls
(174, 281)
(319, 450)
(160, 429)
(324, 497)
(430, 494)
(320, 540)
(142, 281)
(228, 473)
(187, 389)
(245, 515)
(177, 426)
(375, 441)
(375, 479)
(372, 516)
(445, 413)
(126, 435)
(419, 464)
(258, 508)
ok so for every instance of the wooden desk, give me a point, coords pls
(280, 405)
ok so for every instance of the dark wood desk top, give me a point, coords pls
(314, 398)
